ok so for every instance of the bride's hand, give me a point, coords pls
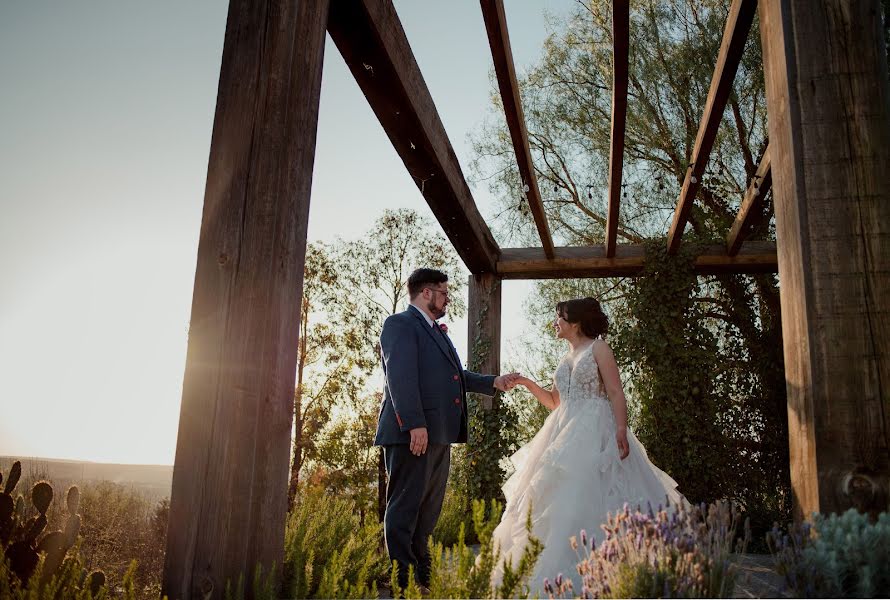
(623, 446)
(522, 380)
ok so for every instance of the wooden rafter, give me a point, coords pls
(371, 39)
(738, 25)
(499, 40)
(629, 259)
(751, 204)
(621, 45)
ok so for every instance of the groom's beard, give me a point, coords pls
(434, 310)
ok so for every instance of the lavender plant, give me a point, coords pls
(842, 556)
(678, 552)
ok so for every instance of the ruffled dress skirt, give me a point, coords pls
(571, 477)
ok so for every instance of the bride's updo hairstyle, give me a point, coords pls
(588, 313)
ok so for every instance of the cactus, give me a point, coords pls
(14, 475)
(56, 544)
(22, 543)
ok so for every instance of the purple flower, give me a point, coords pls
(583, 537)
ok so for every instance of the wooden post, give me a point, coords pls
(829, 132)
(485, 448)
(229, 497)
(484, 338)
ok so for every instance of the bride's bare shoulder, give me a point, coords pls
(601, 349)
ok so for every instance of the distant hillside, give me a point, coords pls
(154, 480)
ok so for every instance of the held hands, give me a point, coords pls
(623, 446)
(507, 382)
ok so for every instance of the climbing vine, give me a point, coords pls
(699, 413)
(491, 436)
(670, 348)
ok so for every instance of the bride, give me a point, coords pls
(583, 463)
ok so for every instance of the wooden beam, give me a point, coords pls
(499, 40)
(629, 259)
(828, 106)
(620, 57)
(738, 24)
(229, 495)
(749, 212)
(370, 37)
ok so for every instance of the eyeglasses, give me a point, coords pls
(443, 292)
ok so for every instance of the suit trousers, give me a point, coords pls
(414, 494)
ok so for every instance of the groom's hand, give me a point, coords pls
(506, 382)
(419, 441)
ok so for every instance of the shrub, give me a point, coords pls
(837, 556)
(454, 515)
(457, 572)
(678, 552)
(329, 552)
(121, 525)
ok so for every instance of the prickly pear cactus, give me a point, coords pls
(23, 541)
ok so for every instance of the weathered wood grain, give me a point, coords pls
(370, 37)
(499, 40)
(829, 129)
(752, 204)
(629, 259)
(484, 323)
(621, 53)
(229, 496)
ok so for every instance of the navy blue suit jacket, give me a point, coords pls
(425, 384)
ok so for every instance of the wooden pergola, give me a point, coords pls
(829, 130)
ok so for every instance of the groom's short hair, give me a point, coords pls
(422, 278)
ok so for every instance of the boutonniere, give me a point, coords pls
(443, 327)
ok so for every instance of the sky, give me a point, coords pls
(106, 110)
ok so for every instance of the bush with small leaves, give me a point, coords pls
(844, 556)
(329, 551)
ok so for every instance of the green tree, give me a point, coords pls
(567, 102)
(332, 364)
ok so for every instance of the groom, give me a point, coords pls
(424, 410)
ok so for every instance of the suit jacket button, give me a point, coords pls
(457, 400)
(456, 377)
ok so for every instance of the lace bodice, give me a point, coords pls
(578, 378)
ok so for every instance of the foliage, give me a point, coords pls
(678, 403)
(677, 552)
(454, 517)
(263, 586)
(457, 572)
(345, 460)
(51, 564)
(71, 581)
(567, 96)
(121, 525)
(330, 552)
(332, 360)
(842, 556)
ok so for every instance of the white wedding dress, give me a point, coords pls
(571, 475)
